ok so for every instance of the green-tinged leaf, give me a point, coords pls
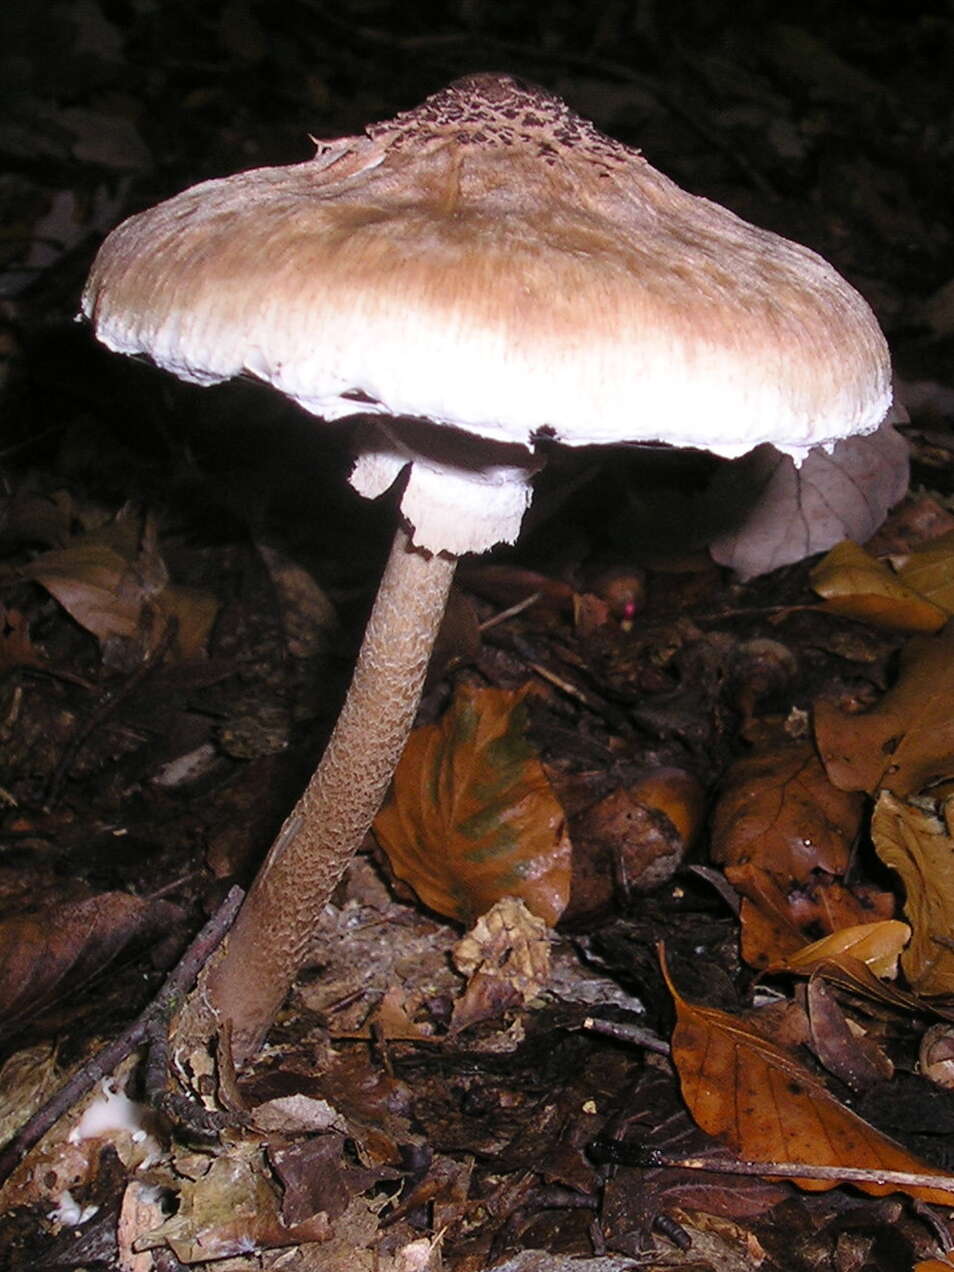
(472, 817)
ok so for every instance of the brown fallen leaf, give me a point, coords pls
(634, 839)
(113, 581)
(16, 648)
(779, 811)
(472, 818)
(857, 585)
(760, 1100)
(844, 1049)
(45, 956)
(906, 743)
(777, 918)
(917, 841)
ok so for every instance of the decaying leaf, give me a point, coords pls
(906, 743)
(858, 585)
(634, 839)
(851, 1055)
(759, 1099)
(917, 840)
(506, 957)
(231, 1210)
(472, 817)
(790, 512)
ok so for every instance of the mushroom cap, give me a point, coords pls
(493, 262)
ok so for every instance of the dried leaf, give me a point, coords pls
(877, 945)
(906, 743)
(472, 818)
(792, 512)
(929, 571)
(777, 919)
(506, 956)
(857, 585)
(634, 839)
(113, 581)
(230, 1210)
(16, 648)
(760, 1100)
(918, 842)
(45, 956)
(779, 811)
(850, 1055)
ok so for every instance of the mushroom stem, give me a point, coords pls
(270, 939)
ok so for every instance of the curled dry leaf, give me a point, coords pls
(788, 513)
(760, 1100)
(906, 743)
(857, 585)
(634, 839)
(471, 817)
(113, 581)
(506, 957)
(842, 1047)
(918, 842)
(877, 945)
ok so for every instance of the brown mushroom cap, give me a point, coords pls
(492, 261)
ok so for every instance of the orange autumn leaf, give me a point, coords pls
(906, 742)
(760, 1100)
(778, 810)
(472, 817)
(778, 918)
(918, 842)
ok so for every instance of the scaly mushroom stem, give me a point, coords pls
(270, 939)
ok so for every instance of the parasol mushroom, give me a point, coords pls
(476, 275)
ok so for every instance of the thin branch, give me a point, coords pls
(628, 1153)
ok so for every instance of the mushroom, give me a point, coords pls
(475, 276)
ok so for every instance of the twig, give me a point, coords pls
(148, 1027)
(628, 1153)
(512, 612)
(624, 1032)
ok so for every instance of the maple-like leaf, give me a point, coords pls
(472, 817)
(758, 1098)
